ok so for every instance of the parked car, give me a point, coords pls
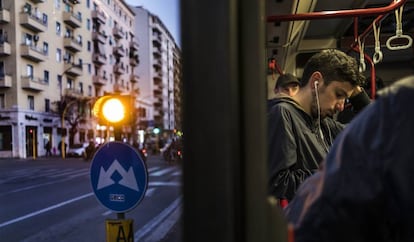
(77, 150)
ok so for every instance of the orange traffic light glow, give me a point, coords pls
(113, 110)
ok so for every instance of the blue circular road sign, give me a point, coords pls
(119, 176)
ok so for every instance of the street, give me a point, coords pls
(51, 199)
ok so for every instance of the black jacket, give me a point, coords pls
(296, 147)
(364, 192)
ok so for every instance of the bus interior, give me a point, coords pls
(227, 47)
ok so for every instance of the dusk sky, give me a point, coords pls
(167, 10)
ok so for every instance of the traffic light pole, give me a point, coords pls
(118, 132)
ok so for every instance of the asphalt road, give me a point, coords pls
(50, 199)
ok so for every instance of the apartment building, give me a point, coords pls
(56, 58)
(159, 72)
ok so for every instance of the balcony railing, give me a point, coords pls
(73, 92)
(99, 80)
(73, 69)
(119, 88)
(33, 83)
(5, 80)
(33, 53)
(33, 22)
(119, 51)
(72, 20)
(134, 78)
(5, 49)
(133, 45)
(72, 1)
(99, 59)
(72, 44)
(99, 16)
(4, 16)
(119, 69)
(134, 61)
(118, 33)
(100, 37)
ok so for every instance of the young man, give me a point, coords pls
(287, 84)
(301, 128)
(364, 189)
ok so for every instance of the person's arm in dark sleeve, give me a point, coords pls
(285, 175)
(359, 99)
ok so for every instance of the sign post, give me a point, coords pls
(119, 180)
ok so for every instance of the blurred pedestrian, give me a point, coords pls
(48, 148)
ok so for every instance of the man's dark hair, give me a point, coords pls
(334, 65)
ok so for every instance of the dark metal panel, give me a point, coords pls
(212, 197)
(224, 167)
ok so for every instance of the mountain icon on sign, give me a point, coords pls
(127, 180)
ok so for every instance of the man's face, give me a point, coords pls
(331, 98)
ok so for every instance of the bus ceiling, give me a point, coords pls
(350, 28)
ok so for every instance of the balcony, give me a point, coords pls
(4, 16)
(75, 21)
(118, 33)
(134, 78)
(157, 72)
(37, 1)
(99, 80)
(73, 69)
(32, 53)
(119, 51)
(133, 45)
(119, 69)
(99, 59)
(72, 44)
(32, 22)
(72, 1)
(5, 81)
(99, 16)
(157, 92)
(73, 92)
(157, 81)
(134, 61)
(5, 49)
(157, 64)
(100, 37)
(119, 88)
(33, 84)
(157, 54)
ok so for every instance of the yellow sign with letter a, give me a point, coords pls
(119, 230)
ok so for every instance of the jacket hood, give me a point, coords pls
(282, 98)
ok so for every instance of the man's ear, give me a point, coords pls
(316, 79)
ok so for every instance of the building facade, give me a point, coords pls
(56, 58)
(159, 72)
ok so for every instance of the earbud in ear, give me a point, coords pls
(316, 83)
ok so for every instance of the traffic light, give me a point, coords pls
(115, 108)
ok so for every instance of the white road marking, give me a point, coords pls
(45, 210)
(151, 225)
(162, 172)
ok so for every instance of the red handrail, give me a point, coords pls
(338, 13)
